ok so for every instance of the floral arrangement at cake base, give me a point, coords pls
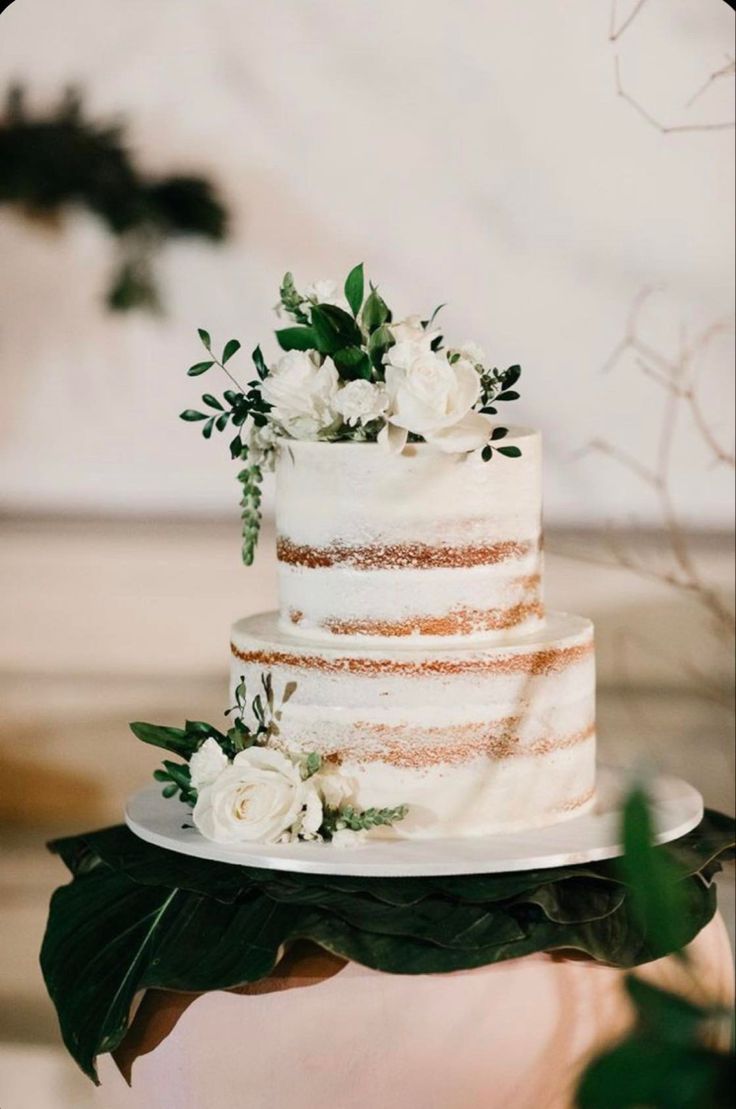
(243, 788)
(136, 917)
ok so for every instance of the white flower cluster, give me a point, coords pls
(429, 393)
(263, 796)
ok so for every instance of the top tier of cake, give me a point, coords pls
(418, 546)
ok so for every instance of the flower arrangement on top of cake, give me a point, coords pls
(350, 372)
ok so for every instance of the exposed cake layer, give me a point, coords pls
(486, 737)
(421, 545)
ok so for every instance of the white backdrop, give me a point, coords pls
(469, 152)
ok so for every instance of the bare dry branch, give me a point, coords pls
(726, 70)
(614, 32)
(664, 129)
(677, 378)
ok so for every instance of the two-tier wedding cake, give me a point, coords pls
(413, 627)
(412, 683)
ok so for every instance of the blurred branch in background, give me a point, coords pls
(64, 159)
(678, 380)
(617, 26)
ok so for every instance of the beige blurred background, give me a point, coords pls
(481, 154)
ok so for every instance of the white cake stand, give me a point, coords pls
(677, 809)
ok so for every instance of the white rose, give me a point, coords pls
(325, 292)
(258, 798)
(361, 401)
(207, 763)
(301, 393)
(430, 397)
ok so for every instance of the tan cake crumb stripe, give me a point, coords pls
(548, 660)
(499, 746)
(461, 621)
(399, 556)
(576, 802)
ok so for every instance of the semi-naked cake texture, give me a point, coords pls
(412, 629)
(423, 544)
(474, 739)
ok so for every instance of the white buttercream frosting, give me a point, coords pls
(422, 545)
(494, 735)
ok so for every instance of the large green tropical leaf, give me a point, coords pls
(136, 916)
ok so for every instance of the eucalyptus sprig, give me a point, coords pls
(234, 409)
(348, 818)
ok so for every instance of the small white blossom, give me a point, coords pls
(261, 444)
(359, 402)
(334, 787)
(207, 763)
(311, 820)
(325, 292)
(473, 352)
(410, 330)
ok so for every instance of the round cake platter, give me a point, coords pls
(677, 809)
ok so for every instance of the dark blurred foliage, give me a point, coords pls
(667, 1061)
(65, 159)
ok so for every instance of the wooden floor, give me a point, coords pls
(106, 623)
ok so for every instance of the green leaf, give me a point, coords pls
(205, 337)
(232, 346)
(510, 452)
(334, 329)
(426, 324)
(508, 394)
(499, 433)
(511, 376)
(352, 363)
(222, 421)
(213, 402)
(236, 447)
(375, 312)
(666, 1015)
(259, 363)
(136, 917)
(379, 344)
(296, 338)
(644, 1072)
(175, 740)
(199, 368)
(487, 453)
(191, 415)
(354, 288)
(657, 895)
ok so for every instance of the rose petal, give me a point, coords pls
(468, 434)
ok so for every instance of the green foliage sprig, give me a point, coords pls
(350, 819)
(233, 410)
(49, 164)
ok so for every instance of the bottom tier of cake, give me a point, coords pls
(493, 737)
